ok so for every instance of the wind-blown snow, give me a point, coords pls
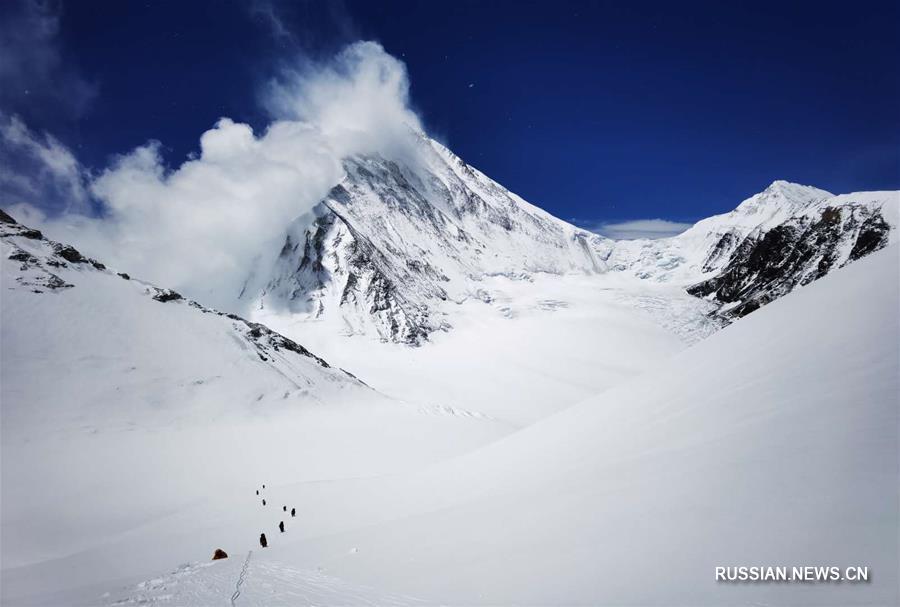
(203, 225)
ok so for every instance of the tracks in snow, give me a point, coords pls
(237, 587)
(275, 584)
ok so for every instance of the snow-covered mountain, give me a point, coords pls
(395, 240)
(393, 247)
(786, 236)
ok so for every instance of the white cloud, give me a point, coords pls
(205, 226)
(37, 168)
(359, 100)
(637, 228)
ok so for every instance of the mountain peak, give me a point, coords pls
(780, 200)
(784, 186)
(398, 238)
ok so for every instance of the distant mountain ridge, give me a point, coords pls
(397, 243)
(400, 242)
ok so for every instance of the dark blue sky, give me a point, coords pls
(597, 111)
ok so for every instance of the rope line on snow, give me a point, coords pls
(237, 588)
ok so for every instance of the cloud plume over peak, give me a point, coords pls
(203, 227)
(359, 99)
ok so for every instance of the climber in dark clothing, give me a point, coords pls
(284, 508)
(264, 502)
(281, 526)
(293, 512)
(262, 540)
(257, 492)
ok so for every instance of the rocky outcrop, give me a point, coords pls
(768, 264)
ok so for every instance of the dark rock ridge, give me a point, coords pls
(334, 253)
(769, 264)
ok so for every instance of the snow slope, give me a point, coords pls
(773, 442)
(123, 404)
(533, 347)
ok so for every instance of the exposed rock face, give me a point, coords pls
(769, 264)
(219, 554)
(336, 266)
(164, 295)
(35, 272)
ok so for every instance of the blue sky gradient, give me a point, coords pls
(597, 111)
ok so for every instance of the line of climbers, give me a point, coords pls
(262, 536)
